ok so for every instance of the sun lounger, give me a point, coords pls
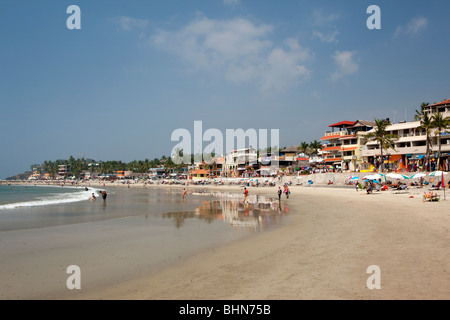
(430, 196)
(401, 189)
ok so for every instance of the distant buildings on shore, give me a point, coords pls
(345, 147)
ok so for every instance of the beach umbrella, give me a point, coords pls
(397, 176)
(437, 173)
(354, 178)
(418, 175)
(372, 177)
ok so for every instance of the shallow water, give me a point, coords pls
(136, 231)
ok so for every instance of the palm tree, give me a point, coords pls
(439, 123)
(426, 123)
(419, 114)
(315, 146)
(384, 139)
(304, 146)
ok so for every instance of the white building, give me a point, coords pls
(410, 147)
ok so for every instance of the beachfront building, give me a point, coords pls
(411, 146)
(63, 170)
(442, 107)
(287, 159)
(240, 163)
(87, 174)
(199, 174)
(332, 152)
(302, 162)
(352, 144)
(213, 166)
(156, 172)
(409, 153)
(344, 145)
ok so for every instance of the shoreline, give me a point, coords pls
(323, 253)
(332, 236)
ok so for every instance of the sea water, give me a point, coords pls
(134, 232)
(17, 196)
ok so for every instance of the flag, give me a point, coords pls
(443, 180)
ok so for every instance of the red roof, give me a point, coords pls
(200, 171)
(347, 137)
(441, 103)
(331, 137)
(333, 159)
(343, 123)
(349, 149)
(332, 148)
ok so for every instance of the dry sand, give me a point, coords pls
(333, 236)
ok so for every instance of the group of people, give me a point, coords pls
(103, 193)
(286, 191)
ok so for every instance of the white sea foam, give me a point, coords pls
(56, 198)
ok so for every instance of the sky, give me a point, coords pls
(137, 70)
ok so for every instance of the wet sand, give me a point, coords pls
(333, 235)
(137, 232)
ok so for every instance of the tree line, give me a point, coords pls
(77, 166)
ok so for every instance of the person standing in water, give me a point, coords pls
(245, 195)
(104, 195)
(184, 193)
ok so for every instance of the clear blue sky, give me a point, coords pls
(138, 70)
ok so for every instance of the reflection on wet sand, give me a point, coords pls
(258, 214)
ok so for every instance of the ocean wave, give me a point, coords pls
(55, 198)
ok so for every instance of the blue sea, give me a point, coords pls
(19, 196)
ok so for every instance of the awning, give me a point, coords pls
(394, 158)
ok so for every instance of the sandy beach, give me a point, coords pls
(332, 236)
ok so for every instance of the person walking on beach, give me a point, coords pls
(245, 195)
(279, 193)
(184, 193)
(286, 191)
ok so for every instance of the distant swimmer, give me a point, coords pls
(86, 188)
(104, 195)
(93, 198)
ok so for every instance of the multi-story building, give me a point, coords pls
(353, 143)
(332, 152)
(409, 148)
(63, 170)
(344, 144)
(242, 162)
(409, 151)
